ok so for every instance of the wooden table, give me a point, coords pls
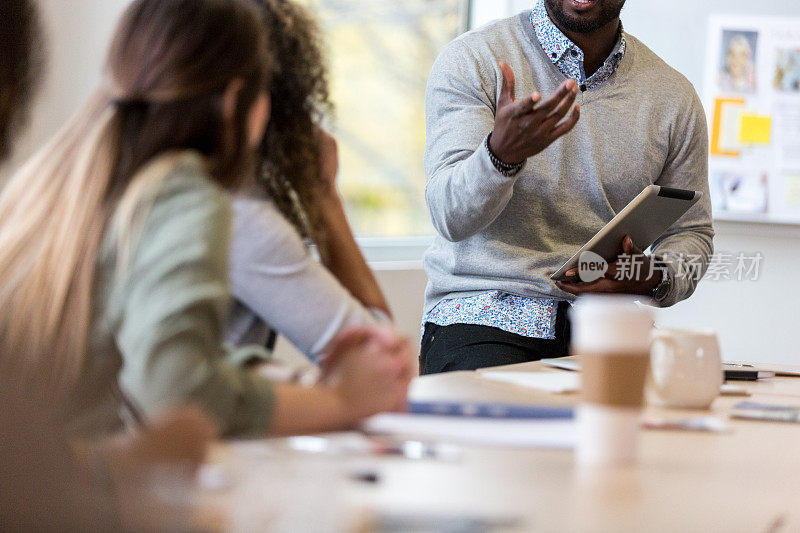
(747, 480)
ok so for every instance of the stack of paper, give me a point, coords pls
(550, 434)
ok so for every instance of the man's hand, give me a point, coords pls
(526, 127)
(636, 276)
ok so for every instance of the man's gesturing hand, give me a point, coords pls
(526, 127)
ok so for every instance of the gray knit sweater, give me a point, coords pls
(643, 126)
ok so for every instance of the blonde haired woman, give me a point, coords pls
(114, 239)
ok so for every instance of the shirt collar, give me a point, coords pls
(556, 44)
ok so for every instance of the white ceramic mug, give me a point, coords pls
(685, 369)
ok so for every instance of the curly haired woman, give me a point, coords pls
(278, 284)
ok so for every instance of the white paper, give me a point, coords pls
(549, 434)
(557, 382)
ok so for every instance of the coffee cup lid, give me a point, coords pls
(610, 323)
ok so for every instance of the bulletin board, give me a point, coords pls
(753, 102)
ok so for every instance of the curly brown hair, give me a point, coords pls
(21, 63)
(290, 167)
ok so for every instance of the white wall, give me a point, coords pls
(78, 32)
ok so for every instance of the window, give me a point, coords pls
(380, 53)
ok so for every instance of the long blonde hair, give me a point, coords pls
(168, 66)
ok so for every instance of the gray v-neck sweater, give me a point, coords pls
(645, 125)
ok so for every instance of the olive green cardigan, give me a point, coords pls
(159, 318)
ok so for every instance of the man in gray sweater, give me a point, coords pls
(517, 181)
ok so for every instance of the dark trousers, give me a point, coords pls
(468, 347)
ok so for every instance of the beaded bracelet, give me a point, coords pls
(505, 169)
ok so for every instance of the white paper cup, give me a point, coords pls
(611, 338)
(607, 436)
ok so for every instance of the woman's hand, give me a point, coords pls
(370, 369)
(180, 439)
(164, 455)
(367, 371)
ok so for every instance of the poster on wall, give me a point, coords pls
(753, 99)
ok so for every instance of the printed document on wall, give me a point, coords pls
(753, 97)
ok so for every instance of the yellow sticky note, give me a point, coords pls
(726, 125)
(755, 129)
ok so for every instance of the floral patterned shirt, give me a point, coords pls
(529, 317)
(567, 56)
